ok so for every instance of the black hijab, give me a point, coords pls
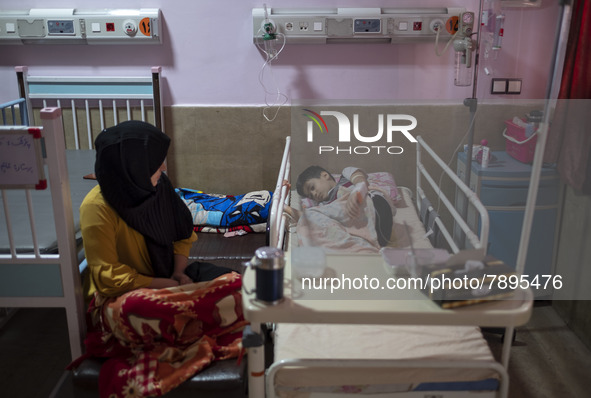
(127, 155)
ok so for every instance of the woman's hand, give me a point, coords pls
(161, 283)
(182, 278)
(180, 264)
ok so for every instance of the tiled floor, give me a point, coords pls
(547, 359)
(34, 350)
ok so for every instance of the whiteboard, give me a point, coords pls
(21, 158)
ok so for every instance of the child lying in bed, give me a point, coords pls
(318, 184)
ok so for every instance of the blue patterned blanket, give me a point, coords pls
(223, 213)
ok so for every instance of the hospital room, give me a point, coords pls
(387, 198)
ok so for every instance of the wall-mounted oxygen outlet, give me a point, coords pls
(437, 25)
(129, 27)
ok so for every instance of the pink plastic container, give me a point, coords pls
(517, 145)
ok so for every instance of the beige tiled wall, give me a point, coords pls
(234, 150)
(229, 150)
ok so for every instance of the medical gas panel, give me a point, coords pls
(357, 25)
(74, 26)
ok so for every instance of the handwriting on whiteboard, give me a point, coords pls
(24, 141)
(18, 159)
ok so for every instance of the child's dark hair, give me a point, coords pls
(309, 173)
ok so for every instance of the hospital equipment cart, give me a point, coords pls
(502, 187)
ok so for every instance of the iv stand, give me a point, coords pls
(472, 104)
(554, 78)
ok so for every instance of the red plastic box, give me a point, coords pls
(518, 145)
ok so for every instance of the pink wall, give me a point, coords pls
(208, 57)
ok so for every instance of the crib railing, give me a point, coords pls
(24, 270)
(47, 99)
(478, 241)
(277, 218)
(14, 113)
(12, 109)
(93, 97)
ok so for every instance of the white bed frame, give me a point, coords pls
(53, 92)
(277, 217)
(477, 239)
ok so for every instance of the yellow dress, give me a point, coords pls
(117, 255)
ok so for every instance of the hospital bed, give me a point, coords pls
(397, 344)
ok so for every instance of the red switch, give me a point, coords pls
(417, 25)
(110, 27)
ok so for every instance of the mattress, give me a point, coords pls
(449, 345)
(80, 163)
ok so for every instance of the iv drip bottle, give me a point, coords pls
(499, 31)
(462, 74)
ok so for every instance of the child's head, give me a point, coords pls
(314, 183)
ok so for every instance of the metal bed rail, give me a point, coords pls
(501, 392)
(277, 218)
(478, 241)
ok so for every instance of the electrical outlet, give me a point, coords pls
(499, 86)
(506, 86)
(513, 86)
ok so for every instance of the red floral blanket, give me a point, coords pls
(157, 339)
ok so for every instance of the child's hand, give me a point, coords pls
(293, 213)
(356, 201)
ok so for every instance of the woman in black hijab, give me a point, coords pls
(136, 231)
(137, 235)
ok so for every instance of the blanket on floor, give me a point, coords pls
(223, 213)
(156, 339)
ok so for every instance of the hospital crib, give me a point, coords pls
(73, 110)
